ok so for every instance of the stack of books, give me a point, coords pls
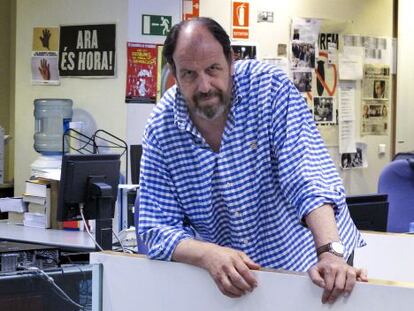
(15, 209)
(41, 198)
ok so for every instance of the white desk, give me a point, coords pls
(68, 240)
(132, 282)
(387, 256)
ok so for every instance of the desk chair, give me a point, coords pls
(397, 180)
(403, 155)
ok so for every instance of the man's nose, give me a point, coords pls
(204, 83)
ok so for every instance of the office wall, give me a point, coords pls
(103, 98)
(405, 97)
(346, 16)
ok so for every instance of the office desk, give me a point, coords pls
(65, 240)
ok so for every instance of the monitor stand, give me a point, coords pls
(100, 196)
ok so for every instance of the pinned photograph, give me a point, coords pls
(354, 159)
(265, 17)
(303, 55)
(302, 80)
(323, 109)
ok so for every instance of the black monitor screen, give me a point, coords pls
(78, 171)
(369, 212)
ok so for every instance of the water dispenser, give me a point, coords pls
(52, 118)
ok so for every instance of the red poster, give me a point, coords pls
(191, 9)
(240, 20)
(141, 84)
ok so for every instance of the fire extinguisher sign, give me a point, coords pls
(240, 20)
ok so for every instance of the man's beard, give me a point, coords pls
(213, 111)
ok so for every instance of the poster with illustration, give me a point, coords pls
(141, 84)
(44, 62)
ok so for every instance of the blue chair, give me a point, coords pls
(397, 180)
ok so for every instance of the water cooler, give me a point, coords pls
(52, 118)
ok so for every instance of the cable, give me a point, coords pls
(87, 227)
(60, 291)
(119, 240)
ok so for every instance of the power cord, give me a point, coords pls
(92, 237)
(87, 227)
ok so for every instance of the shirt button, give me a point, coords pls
(253, 145)
(245, 241)
(237, 213)
(229, 184)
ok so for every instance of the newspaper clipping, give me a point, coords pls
(375, 103)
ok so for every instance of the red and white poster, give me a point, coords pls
(141, 84)
(191, 9)
(240, 20)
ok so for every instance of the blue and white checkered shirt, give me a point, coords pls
(272, 170)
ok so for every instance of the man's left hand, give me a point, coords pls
(335, 276)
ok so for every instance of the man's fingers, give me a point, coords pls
(362, 275)
(316, 277)
(350, 280)
(243, 278)
(339, 286)
(250, 263)
(227, 287)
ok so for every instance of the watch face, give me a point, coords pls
(338, 247)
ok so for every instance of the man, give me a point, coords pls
(379, 89)
(234, 174)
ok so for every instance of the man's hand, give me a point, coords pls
(44, 69)
(45, 38)
(229, 268)
(335, 276)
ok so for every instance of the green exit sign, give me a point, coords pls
(156, 25)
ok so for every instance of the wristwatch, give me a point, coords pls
(336, 248)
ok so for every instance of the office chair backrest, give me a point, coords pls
(397, 180)
(403, 155)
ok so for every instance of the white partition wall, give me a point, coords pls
(131, 283)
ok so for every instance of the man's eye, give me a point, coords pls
(187, 74)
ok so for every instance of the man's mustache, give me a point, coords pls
(208, 95)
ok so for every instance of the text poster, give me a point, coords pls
(87, 50)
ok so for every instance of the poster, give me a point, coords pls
(87, 50)
(141, 84)
(240, 19)
(190, 9)
(375, 100)
(165, 78)
(44, 62)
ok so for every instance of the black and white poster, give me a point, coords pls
(87, 50)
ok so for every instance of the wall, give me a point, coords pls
(103, 98)
(405, 111)
(346, 16)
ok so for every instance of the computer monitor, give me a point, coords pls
(369, 211)
(91, 180)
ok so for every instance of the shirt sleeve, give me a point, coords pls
(307, 175)
(161, 220)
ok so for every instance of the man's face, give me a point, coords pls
(203, 73)
(378, 89)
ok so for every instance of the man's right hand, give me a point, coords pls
(229, 268)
